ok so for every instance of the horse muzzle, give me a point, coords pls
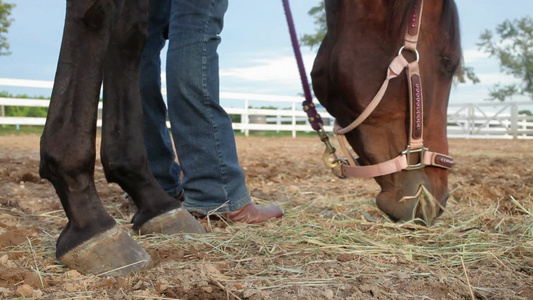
(419, 201)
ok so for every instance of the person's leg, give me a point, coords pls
(202, 131)
(161, 157)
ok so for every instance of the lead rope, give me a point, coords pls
(308, 106)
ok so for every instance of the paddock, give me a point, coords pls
(333, 243)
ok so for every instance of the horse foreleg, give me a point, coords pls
(123, 153)
(90, 242)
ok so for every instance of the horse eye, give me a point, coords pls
(448, 65)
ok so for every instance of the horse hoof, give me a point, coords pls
(112, 253)
(175, 221)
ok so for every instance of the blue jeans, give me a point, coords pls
(161, 157)
(203, 136)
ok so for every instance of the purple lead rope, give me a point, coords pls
(329, 158)
(309, 107)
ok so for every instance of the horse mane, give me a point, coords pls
(400, 15)
(449, 24)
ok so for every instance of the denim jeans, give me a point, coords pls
(202, 132)
(161, 157)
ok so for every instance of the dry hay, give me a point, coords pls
(333, 243)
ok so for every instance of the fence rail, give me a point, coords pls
(503, 120)
(507, 120)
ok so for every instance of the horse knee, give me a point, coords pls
(129, 36)
(65, 166)
(99, 14)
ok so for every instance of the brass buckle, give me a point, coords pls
(329, 157)
(329, 151)
(420, 164)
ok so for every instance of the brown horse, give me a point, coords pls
(397, 127)
(103, 41)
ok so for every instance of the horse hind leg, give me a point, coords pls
(123, 153)
(91, 241)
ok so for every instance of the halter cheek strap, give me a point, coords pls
(415, 146)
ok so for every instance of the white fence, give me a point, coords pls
(504, 120)
(291, 118)
(507, 120)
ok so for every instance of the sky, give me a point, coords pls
(255, 54)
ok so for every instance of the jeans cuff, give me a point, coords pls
(217, 208)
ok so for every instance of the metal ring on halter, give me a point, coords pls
(415, 51)
(339, 163)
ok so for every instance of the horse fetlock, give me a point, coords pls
(128, 170)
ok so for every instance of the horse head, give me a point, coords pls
(369, 47)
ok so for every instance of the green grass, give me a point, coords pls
(12, 130)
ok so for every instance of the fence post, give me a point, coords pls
(471, 121)
(245, 118)
(523, 126)
(514, 119)
(293, 119)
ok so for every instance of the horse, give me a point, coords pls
(102, 42)
(395, 124)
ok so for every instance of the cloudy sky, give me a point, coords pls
(256, 55)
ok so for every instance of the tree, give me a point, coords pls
(513, 47)
(319, 13)
(5, 22)
(24, 111)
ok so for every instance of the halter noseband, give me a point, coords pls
(415, 146)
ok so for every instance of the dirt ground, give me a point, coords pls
(333, 243)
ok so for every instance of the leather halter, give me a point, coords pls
(415, 147)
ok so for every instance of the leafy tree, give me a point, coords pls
(513, 46)
(319, 13)
(467, 73)
(5, 22)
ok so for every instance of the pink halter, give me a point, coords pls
(415, 146)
